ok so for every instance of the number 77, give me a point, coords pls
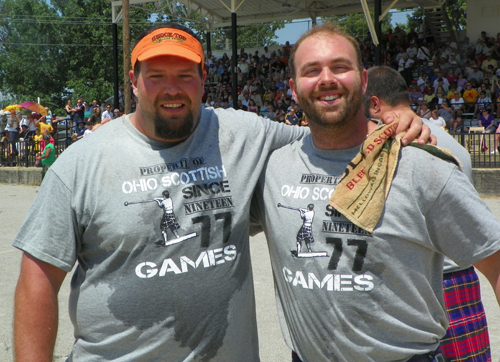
(359, 258)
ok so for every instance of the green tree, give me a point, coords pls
(249, 36)
(59, 49)
(29, 65)
(356, 26)
(457, 12)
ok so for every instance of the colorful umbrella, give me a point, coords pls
(13, 107)
(35, 107)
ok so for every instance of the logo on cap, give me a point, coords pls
(158, 38)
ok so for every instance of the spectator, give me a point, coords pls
(107, 113)
(415, 95)
(468, 47)
(424, 112)
(37, 139)
(94, 104)
(489, 61)
(457, 104)
(271, 114)
(486, 120)
(80, 131)
(470, 96)
(451, 92)
(257, 98)
(436, 119)
(264, 110)
(79, 111)
(31, 121)
(291, 119)
(3, 121)
(423, 53)
(116, 113)
(446, 113)
(497, 105)
(44, 126)
(48, 156)
(430, 97)
(95, 118)
(450, 76)
(88, 131)
(475, 74)
(482, 103)
(412, 51)
(252, 107)
(87, 111)
(421, 80)
(441, 98)
(209, 102)
(461, 82)
(70, 112)
(497, 138)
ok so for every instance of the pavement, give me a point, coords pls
(14, 203)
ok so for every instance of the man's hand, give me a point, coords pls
(412, 124)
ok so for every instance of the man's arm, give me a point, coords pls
(46, 154)
(36, 310)
(490, 268)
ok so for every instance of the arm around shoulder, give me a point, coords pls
(36, 310)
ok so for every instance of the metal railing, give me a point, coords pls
(480, 146)
(23, 153)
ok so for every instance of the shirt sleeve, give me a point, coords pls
(461, 224)
(49, 232)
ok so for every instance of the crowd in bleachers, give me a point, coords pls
(456, 80)
(449, 83)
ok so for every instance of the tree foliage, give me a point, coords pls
(59, 49)
(457, 12)
(356, 26)
(249, 36)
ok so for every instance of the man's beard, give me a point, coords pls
(164, 129)
(168, 128)
(322, 116)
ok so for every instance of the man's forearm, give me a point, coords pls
(36, 312)
(490, 268)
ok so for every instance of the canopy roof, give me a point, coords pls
(218, 12)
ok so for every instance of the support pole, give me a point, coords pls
(234, 66)
(115, 63)
(209, 41)
(378, 31)
(126, 56)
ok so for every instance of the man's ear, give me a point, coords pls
(375, 106)
(133, 80)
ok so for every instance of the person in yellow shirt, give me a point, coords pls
(37, 138)
(470, 96)
(44, 126)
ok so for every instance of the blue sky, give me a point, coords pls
(292, 32)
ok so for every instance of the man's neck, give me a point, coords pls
(340, 137)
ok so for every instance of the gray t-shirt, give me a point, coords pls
(444, 140)
(132, 300)
(356, 296)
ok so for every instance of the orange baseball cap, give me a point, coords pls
(168, 41)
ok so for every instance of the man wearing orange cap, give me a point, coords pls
(135, 299)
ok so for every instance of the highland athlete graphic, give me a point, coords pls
(168, 221)
(305, 233)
